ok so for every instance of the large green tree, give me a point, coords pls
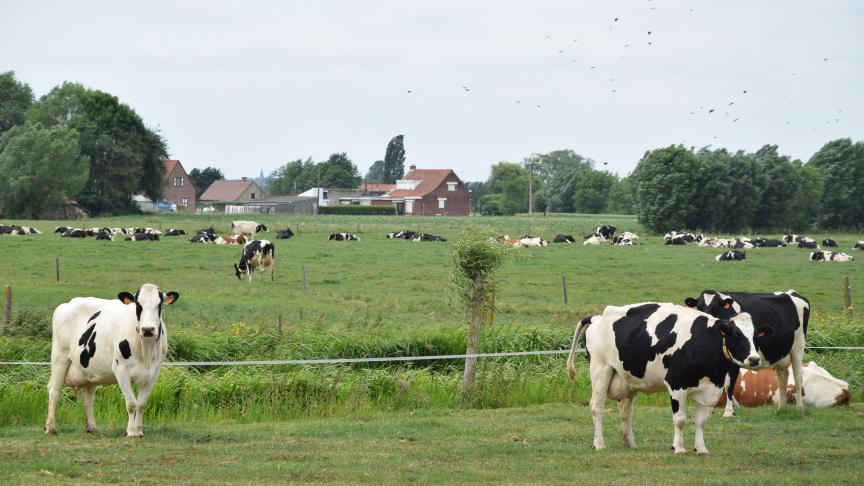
(622, 199)
(781, 183)
(39, 167)
(15, 98)
(394, 160)
(560, 170)
(668, 189)
(375, 172)
(125, 156)
(841, 165)
(591, 192)
(339, 172)
(202, 179)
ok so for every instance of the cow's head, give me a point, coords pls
(241, 269)
(712, 302)
(261, 228)
(738, 335)
(148, 302)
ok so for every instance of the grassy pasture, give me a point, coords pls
(380, 297)
(547, 444)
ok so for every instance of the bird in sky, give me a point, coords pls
(538, 106)
(518, 101)
(731, 103)
(711, 110)
(745, 91)
(409, 91)
(735, 120)
(466, 89)
(616, 19)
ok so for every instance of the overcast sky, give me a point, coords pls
(248, 86)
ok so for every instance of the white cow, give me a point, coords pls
(529, 241)
(248, 228)
(101, 342)
(594, 240)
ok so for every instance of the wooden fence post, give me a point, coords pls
(7, 306)
(564, 287)
(57, 268)
(847, 297)
(477, 314)
(303, 271)
(280, 324)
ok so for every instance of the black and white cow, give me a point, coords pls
(559, 238)
(143, 237)
(105, 235)
(74, 233)
(101, 342)
(830, 256)
(343, 237)
(404, 234)
(785, 313)
(808, 244)
(829, 242)
(796, 238)
(248, 228)
(859, 245)
(175, 232)
(256, 254)
(427, 237)
(607, 231)
(730, 256)
(768, 243)
(659, 347)
(284, 234)
(206, 235)
(677, 240)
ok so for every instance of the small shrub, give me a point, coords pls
(30, 323)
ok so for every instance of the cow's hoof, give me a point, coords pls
(92, 430)
(728, 415)
(679, 450)
(134, 434)
(599, 447)
(701, 452)
(51, 431)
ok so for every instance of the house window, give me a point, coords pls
(252, 196)
(409, 207)
(441, 201)
(177, 181)
(184, 201)
(451, 186)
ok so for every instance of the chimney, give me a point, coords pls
(244, 179)
(412, 167)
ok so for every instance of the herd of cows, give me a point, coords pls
(743, 344)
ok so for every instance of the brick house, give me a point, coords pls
(244, 190)
(431, 192)
(178, 187)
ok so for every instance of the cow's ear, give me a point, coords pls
(690, 302)
(126, 297)
(171, 297)
(764, 331)
(726, 303)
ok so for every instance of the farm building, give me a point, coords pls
(244, 190)
(178, 187)
(431, 192)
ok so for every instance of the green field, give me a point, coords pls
(380, 297)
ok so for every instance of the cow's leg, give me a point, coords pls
(141, 404)
(732, 379)
(125, 383)
(59, 367)
(89, 396)
(679, 419)
(625, 409)
(798, 374)
(601, 376)
(700, 413)
(782, 383)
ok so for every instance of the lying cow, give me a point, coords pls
(426, 237)
(757, 388)
(622, 241)
(768, 243)
(175, 232)
(829, 243)
(248, 228)
(808, 244)
(230, 240)
(559, 238)
(859, 245)
(143, 237)
(404, 234)
(284, 234)
(731, 256)
(529, 241)
(74, 233)
(258, 254)
(101, 342)
(653, 347)
(594, 241)
(830, 256)
(784, 315)
(343, 237)
(607, 231)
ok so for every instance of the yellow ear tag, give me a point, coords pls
(726, 351)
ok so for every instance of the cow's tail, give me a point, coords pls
(571, 369)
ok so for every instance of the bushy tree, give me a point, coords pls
(668, 191)
(622, 199)
(394, 160)
(591, 191)
(375, 172)
(202, 179)
(15, 98)
(560, 170)
(39, 167)
(841, 165)
(339, 172)
(781, 183)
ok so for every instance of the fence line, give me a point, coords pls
(389, 359)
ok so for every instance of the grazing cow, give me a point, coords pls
(732, 255)
(782, 318)
(757, 388)
(343, 237)
(284, 234)
(594, 241)
(829, 242)
(859, 245)
(559, 238)
(652, 347)
(101, 342)
(607, 231)
(248, 228)
(230, 240)
(830, 256)
(175, 232)
(256, 254)
(143, 237)
(808, 244)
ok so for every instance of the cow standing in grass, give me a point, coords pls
(248, 228)
(101, 342)
(258, 254)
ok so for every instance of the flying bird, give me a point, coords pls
(735, 120)
(538, 106)
(560, 51)
(711, 110)
(605, 163)
(649, 32)
(616, 19)
(518, 101)
(825, 59)
(409, 91)
(731, 103)
(745, 91)
(466, 89)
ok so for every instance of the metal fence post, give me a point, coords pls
(847, 297)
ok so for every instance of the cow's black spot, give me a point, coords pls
(86, 335)
(125, 350)
(634, 342)
(94, 316)
(160, 332)
(138, 309)
(85, 359)
(701, 356)
(675, 406)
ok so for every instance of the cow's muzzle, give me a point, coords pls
(148, 331)
(754, 361)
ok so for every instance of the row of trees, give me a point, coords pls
(73, 142)
(562, 181)
(716, 190)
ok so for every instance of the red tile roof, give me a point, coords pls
(169, 166)
(376, 187)
(430, 179)
(224, 190)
